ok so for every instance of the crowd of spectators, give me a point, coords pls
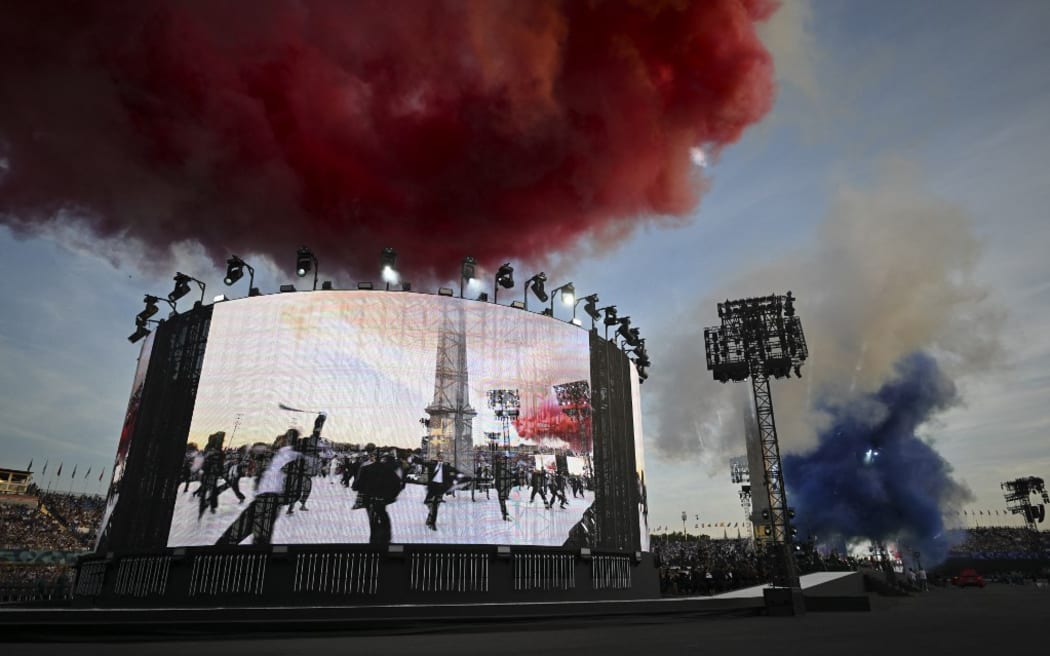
(80, 514)
(48, 523)
(29, 527)
(1000, 542)
(55, 522)
(690, 565)
(29, 582)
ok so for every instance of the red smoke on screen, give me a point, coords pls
(503, 130)
(550, 421)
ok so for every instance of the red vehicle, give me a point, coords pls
(968, 577)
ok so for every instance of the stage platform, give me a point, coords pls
(822, 591)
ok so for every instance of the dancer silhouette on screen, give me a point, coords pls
(211, 470)
(539, 485)
(378, 482)
(271, 492)
(347, 469)
(504, 482)
(441, 477)
(557, 486)
(308, 466)
(187, 466)
(233, 471)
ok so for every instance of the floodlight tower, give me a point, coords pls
(506, 404)
(575, 401)
(1017, 500)
(761, 338)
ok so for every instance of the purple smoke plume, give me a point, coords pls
(871, 476)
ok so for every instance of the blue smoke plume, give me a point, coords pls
(871, 476)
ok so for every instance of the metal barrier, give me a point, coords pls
(542, 571)
(337, 573)
(611, 572)
(228, 574)
(142, 576)
(449, 572)
(90, 579)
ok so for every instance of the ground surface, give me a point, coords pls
(943, 621)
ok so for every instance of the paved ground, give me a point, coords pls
(943, 621)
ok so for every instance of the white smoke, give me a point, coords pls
(889, 272)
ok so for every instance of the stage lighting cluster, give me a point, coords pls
(180, 289)
(306, 262)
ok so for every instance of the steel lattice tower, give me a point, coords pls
(1017, 500)
(451, 416)
(762, 338)
(740, 474)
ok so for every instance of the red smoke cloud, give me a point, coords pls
(443, 129)
(550, 421)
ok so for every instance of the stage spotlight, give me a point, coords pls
(504, 279)
(305, 262)
(568, 296)
(483, 297)
(235, 267)
(469, 268)
(610, 316)
(234, 270)
(151, 309)
(634, 337)
(505, 276)
(535, 284)
(388, 267)
(444, 291)
(326, 285)
(388, 258)
(140, 332)
(625, 328)
(467, 271)
(519, 305)
(590, 307)
(182, 287)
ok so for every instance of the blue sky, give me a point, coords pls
(937, 113)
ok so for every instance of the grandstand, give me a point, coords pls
(41, 536)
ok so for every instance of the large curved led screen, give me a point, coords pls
(357, 417)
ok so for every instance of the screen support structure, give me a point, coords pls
(761, 338)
